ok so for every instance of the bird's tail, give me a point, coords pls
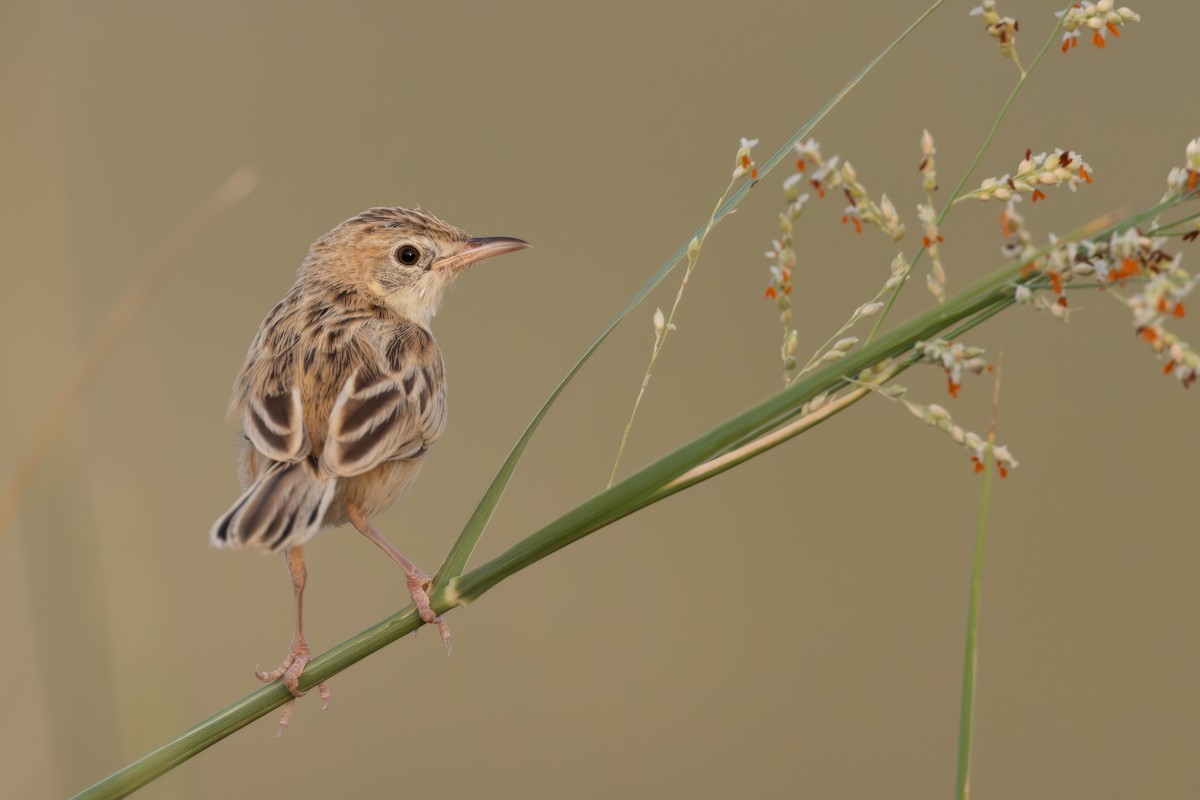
(283, 508)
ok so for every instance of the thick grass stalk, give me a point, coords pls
(646, 485)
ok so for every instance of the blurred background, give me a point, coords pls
(794, 626)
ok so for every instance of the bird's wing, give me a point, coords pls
(393, 409)
(273, 420)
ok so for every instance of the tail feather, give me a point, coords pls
(283, 508)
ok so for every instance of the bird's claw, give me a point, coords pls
(419, 585)
(290, 671)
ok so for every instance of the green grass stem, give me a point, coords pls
(971, 660)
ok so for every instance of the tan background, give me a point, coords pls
(792, 628)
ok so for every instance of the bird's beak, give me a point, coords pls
(477, 249)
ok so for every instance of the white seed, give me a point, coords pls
(1001, 454)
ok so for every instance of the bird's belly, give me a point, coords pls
(373, 491)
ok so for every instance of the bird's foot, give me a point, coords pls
(418, 589)
(290, 670)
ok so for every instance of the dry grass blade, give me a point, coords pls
(116, 324)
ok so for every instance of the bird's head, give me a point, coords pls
(407, 257)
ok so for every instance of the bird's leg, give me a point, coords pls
(418, 582)
(292, 666)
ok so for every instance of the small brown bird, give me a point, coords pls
(342, 393)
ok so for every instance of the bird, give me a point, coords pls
(341, 395)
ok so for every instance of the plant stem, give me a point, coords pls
(660, 338)
(971, 661)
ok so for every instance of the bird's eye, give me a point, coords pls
(407, 255)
